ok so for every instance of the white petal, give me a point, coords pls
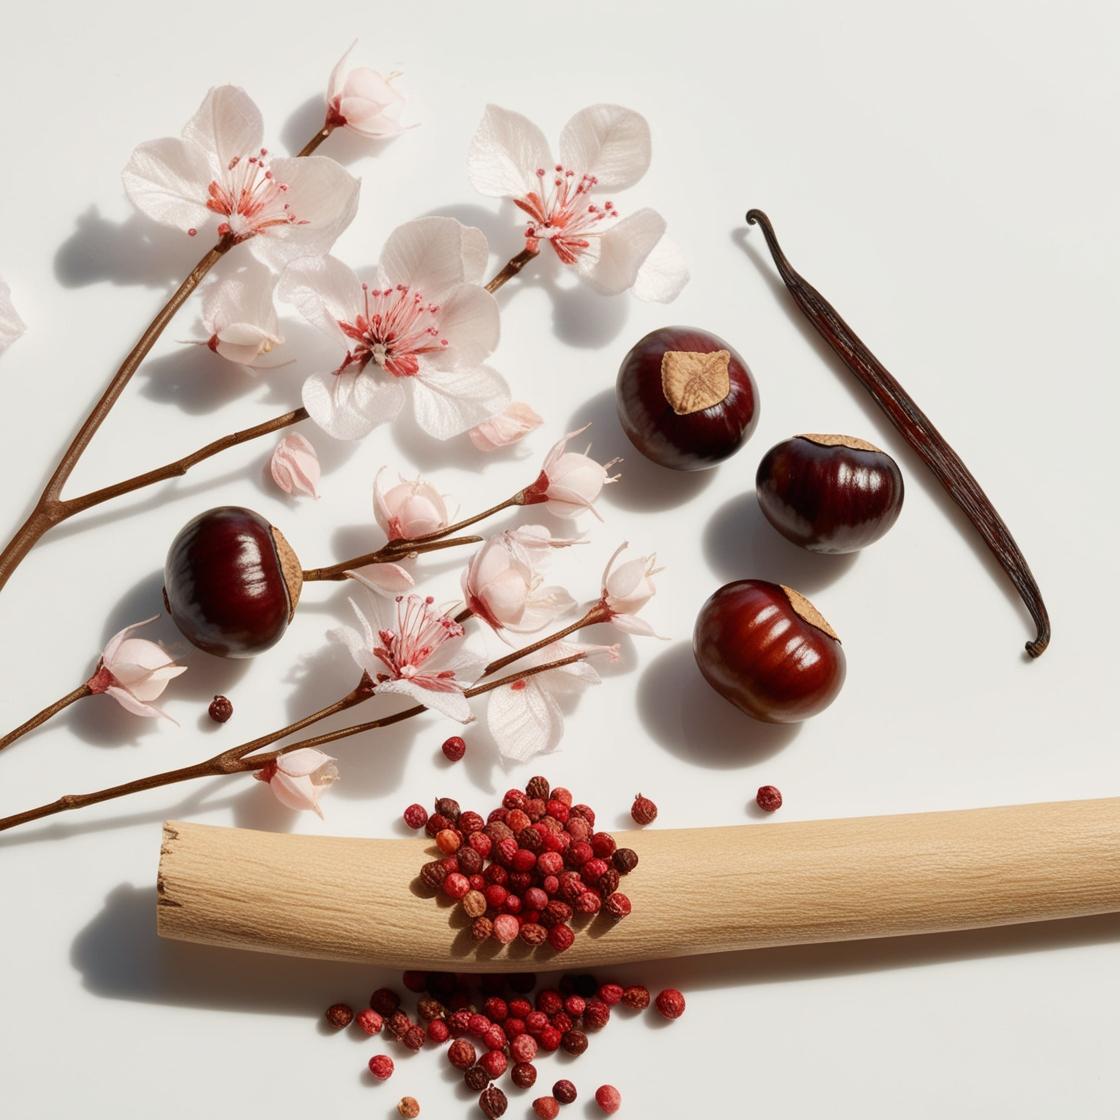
(448, 402)
(228, 124)
(505, 154)
(384, 579)
(323, 197)
(168, 181)
(611, 264)
(303, 763)
(131, 704)
(431, 254)
(524, 721)
(609, 142)
(11, 325)
(451, 704)
(632, 624)
(109, 653)
(360, 649)
(469, 320)
(544, 606)
(338, 74)
(350, 405)
(324, 291)
(512, 424)
(663, 273)
(244, 296)
(295, 793)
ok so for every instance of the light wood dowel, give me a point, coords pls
(694, 891)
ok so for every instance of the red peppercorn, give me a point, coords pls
(769, 798)
(523, 1048)
(454, 748)
(611, 994)
(496, 1008)
(536, 1021)
(340, 1015)
(574, 1005)
(549, 1000)
(625, 860)
(603, 845)
(456, 885)
(564, 1091)
(437, 822)
(476, 1078)
(524, 1075)
(574, 1042)
(520, 1008)
(461, 1054)
(618, 906)
(494, 1038)
(482, 928)
(596, 1015)
(494, 1062)
(369, 1021)
(220, 709)
(414, 1037)
(608, 1098)
(636, 997)
(547, 1108)
(470, 822)
(381, 1066)
(448, 841)
(643, 810)
(589, 903)
(438, 1031)
(506, 928)
(585, 812)
(670, 1003)
(533, 933)
(493, 1102)
(564, 796)
(549, 1038)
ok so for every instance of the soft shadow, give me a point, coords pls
(886, 434)
(740, 543)
(644, 486)
(344, 146)
(500, 225)
(135, 251)
(195, 380)
(686, 716)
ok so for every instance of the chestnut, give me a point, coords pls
(829, 493)
(686, 399)
(767, 649)
(231, 582)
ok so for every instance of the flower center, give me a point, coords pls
(250, 198)
(420, 632)
(397, 326)
(562, 214)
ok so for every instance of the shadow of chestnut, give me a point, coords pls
(686, 716)
(644, 486)
(739, 543)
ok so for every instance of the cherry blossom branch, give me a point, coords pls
(51, 710)
(312, 144)
(394, 550)
(598, 613)
(510, 269)
(234, 761)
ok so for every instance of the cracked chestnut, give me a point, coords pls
(829, 493)
(768, 650)
(686, 399)
(231, 582)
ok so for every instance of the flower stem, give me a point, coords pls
(386, 554)
(598, 613)
(510, 269)
(51, 710)
(309, 148)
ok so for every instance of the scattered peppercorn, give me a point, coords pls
(385, 1001)
(564, 1091)
(381, 1066)
(574, 1042)
(461, 1054)
(670, 1003)
(524, 1075)
(454, 748)
(608, 1098)
(643, 810)
(369, 1021)
(625, 860)
(493, 1102)
(220, 709)
(476, 1078)
(547, 1108)
(340, 1015)
(410, 1107)
(636, 997)
(769, 798)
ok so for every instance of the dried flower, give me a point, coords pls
(627, 588)
(295, 466)
(512, 424)
(407, 509)
(426, 326)
(239, 316)
(298, 778)
(284, 208)
(363, 100)
(134, 672)
(11, 325)
(569, 482)
(409, 648)
(602, 148)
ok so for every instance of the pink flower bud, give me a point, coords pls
(513, 423)
(569, 481)
(363, 100)
(407, 509)
(295, 466)
(627, 588)
(134, 672)
(299, 777)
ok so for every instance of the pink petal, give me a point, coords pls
(524, 721)
(613, 263)
(663, 273)
(384, 579)
(609, 142)
(449, 402)
(505, 154)
(451, 704)
(136, 707)
(305, 761)
(227, 125)
(433, 256)
(469, 321)
(325, 292)
(513, 423)
(295, 793)
(350, 405)
(295, 466)
(167, 180)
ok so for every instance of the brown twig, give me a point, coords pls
(394, 550)
(40, 718)
(510, 269)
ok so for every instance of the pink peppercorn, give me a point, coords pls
(517, 821)
(506, 928)
(513, 1027)
(494, 1062)
(385, 1001)
(524, 1075)
(549, 1001)
(448, 841)
(769, 798)
(574, 1042)
(381, 1066)
(585, 812)
(476, 1078)
(561, 1021)
(550, 863)
(369, 1021)
(414, 1037)
(536, 1021)
(636, 997)
(438, 1031)
(603, 845)
(481, 843)
(578, 854)
(415, 816)
(608, 1098)
(670, 1003)
(436, 823)
(459, 1022)
(550, 884)
(524, 860)
(535, 898)
(520, 1007)
(564, 1091)
(533, 933)
(512, 904)
(611, 994)
(587, 903)
(596, 1015)
(564, 796)
(523, 1048)
(496, 1008)
(340, 1015)
(578, 829)
(574, 1005)
(643, 810)
(456, 885)
(415, 981)
(454, 748)
(549, 1038)
(408, 1107)
(618, 906)
(478, 1024)
(493, 1102)
(514, 799)
(494, 1038)
(461, 1054)
(547, 1108)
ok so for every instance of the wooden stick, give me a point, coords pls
(694, 891)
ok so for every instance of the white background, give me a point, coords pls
(946, 173)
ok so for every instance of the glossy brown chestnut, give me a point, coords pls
(767, 649)
(686, 399)
(829, 493)
(231, 582)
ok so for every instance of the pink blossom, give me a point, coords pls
(285, 208)
(295, 466)
(407, 647)
(362, 100)
(407, 509)
(503, 584)
(239, 315)
(602, 148)
(298, 778)
(11, 325)
(134, 672)
(513, 423)
(424, 329)
(627, 588)
(569, 481)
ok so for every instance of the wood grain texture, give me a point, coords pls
(694, 891)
